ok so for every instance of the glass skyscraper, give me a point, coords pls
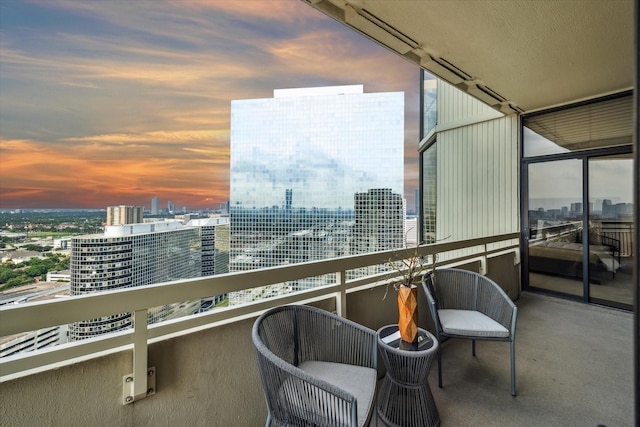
(301, 164)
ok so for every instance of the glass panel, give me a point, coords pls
(306, 182)
(555, 222)
(429, 194)
(430, 104)
(611, 229)
(537, 145)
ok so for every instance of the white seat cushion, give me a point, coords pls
(356, 380)
(470, 323)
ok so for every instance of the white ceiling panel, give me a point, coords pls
(516, 55)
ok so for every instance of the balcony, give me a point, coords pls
(573, 361)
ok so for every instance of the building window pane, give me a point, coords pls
(429, 194)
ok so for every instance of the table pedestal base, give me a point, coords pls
(406, 405)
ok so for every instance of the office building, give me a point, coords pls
(214, 233)
(155, 206)
(133, 255)
(379, 221)
(299, 161)
(121, 215)
(379, 225)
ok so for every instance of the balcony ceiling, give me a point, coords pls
(517, 55)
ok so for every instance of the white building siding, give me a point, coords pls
(477, 168)
(457, 109)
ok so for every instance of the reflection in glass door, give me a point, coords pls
(610, 230)
(555, 222)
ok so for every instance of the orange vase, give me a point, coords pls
(408, 313)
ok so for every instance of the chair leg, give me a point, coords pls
(513, 368)
(440, 367)
(473, 348)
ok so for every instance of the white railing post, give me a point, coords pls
(140, 383)
(483, 261)
(341, 298)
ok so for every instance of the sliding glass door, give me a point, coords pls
(555, 219)
(610, 230)
(577, 201)
(571, 238)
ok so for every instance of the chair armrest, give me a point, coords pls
(294, 393)
(493, 302)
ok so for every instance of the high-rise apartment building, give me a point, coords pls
(120, 215)
(155, 206)
(299, 161)
(379, 221)
(143, 254)
(214, 234)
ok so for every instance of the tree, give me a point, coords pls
(6, 273)
(23, 279)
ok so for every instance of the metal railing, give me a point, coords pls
(622, 231)
(37, 315)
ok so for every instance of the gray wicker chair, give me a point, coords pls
(317, 368)
(468, 305)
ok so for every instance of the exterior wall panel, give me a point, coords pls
(456, 108)
(478, 180)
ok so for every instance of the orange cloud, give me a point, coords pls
(86, 175)
(143, 109)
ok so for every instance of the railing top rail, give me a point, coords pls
(36, 315)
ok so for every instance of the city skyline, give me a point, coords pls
(114, 103)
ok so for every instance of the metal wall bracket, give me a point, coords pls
(142, 382)
(128, 381)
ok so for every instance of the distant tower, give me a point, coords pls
(608, 210)
(576, 208)
(155, 206)
(214, 234)
(288, 199)
(171, 208)
(379, 223)
(121, 215)
(379, 215)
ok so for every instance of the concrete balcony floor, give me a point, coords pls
(574, 367)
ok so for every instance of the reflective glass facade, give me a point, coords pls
(429, 190)
(428, 158)
(100, 262)
(429, 102)
(298, 163)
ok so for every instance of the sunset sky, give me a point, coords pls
(114, 102)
